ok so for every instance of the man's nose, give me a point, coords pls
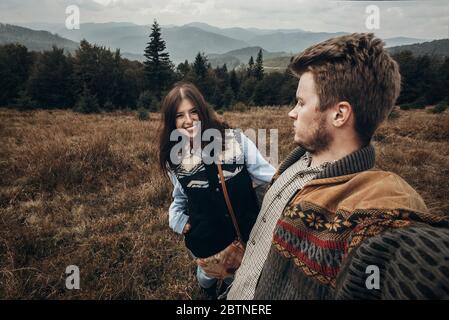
(293, 114)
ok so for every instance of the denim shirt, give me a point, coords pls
(259, 169)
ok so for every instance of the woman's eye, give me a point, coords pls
(194, 112)
(178, 116)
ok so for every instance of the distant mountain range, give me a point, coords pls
(243, 34)
(237, 57)
(436, 48)
(232, 46)
(182, 42)
(34, 40)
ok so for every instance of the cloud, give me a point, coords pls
(424, 19)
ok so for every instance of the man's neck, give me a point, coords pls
(333, 153)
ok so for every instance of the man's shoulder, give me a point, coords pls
(371, 189)
(387, 190)
(382, 181)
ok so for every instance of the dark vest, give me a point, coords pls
(212, 229)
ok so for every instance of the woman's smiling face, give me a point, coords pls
(187, 118)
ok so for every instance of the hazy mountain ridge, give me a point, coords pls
(291, 42)
(184, 42)
(234, 58)
(436, 47)
(401, 41)
(244, 34)
(41, 40)
(34, 40)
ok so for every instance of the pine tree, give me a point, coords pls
(203, 76)
(200, 66)
(444, 74)
(267, 90)
(99, 70)
(228, 97)
(87, 102)
(132, 83)
(250, 70)
(146, 101)
(50, 82)
(183, 69)
(258, 68)
(247, 89)
(158, 67)
(221, 81)
(234, 82)
(15, 65)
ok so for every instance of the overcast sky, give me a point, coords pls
(421, 19)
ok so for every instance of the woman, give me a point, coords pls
(199, 210)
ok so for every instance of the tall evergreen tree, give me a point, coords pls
(50, 82)
(203, 76)
(444, 73)
(87, 102)
(250, 70)
(200, 66)
(287, 91)
(258, 68)
(247, 89)
(158, 67)
(15, 65)
(267, 90)
(221, 85)
(228, 97)
(183, 69)
(98, 69)
(133, 82)
(234, 82)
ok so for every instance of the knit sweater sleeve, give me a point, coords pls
(404, 263)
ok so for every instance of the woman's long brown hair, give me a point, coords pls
(169, 108)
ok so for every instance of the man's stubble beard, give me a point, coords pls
(320, 139)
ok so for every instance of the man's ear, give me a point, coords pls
(342, 114)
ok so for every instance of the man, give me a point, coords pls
(329, 220)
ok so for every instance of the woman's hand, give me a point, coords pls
(187, 228)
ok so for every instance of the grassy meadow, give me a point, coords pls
(85, 190)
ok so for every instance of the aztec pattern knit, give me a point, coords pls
(413, 263)
(278, 195)
(346, 219)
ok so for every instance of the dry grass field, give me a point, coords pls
(85, 190)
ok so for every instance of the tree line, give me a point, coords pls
(425, 80)
(97, 79)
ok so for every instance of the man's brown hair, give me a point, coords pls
(354, 68)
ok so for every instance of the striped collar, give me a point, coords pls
(358, 161)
